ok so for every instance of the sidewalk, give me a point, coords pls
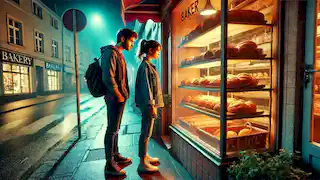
(39, 100)
(86, 160)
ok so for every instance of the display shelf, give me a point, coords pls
(207, 63)
(216, 115)
(214, 34)
(212, 89)
(252, 95)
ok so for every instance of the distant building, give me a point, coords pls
(37, 56)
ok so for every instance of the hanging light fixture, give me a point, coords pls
(208, 9)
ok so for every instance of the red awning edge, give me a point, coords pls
(132, 10)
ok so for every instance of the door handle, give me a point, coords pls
(307, 74)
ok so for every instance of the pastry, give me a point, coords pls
(187, 99)
(185, 82)
(251, 107)
(209, 54)
(247, 45)
(244, 132)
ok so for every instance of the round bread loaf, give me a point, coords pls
(187, 99)
(251, 107)
(244, 132)
(247, 45)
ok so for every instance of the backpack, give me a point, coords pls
(94, 79)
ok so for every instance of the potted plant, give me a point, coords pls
(264, 166)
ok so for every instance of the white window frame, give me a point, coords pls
(54, 22)
(55, 48)
(14, 30)
(68, 55)
(81, 58)
(35, 7)
(38, 39)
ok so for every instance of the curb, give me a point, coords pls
(50, 169)
(43, 103)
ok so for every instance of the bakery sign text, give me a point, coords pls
(54, 67)
(16, 58)
(191, 10)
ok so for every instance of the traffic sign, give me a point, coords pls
(81, 20)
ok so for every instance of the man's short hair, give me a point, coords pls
(126, 33)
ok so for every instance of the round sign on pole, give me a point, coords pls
(81, 20)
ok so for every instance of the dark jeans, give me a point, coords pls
(146, 130)
(115, 111)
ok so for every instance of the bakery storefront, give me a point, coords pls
(53, 74)
(242, 76)
(224, 87)
(16, 73)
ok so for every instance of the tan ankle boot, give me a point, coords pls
(152, 160)
(146, 167)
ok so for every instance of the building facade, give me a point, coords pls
(37, 56)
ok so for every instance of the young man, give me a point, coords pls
(114, 76)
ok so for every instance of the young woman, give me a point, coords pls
(148, 97)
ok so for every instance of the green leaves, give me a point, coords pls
(264, 166)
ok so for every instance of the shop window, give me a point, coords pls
(55, 48)
(15, 32)
(16, 79)
(37, 10)
(315, 124)
(53, 80)
(197, 70)
(54, 22)
(39, 42)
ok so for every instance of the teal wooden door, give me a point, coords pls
(311, 101)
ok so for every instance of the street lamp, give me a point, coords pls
(208, 9)
(97, 19)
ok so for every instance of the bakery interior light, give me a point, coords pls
(208, 9)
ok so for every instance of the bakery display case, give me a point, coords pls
(231, 88)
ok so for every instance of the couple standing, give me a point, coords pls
(148, 97)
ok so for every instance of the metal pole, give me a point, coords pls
(223, 90)
(75, 35)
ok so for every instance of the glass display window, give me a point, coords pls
(16, 79)
(53, 80)
(236, 89)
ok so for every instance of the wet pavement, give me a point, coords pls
(27, 133)
(86, 160)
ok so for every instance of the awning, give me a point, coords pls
(141, 10)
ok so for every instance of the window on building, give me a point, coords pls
(53, 80)
(68, 54)
(16, 1)
(15, 32)
(37, 10)
(54, 22)
(55, 47)
(81, 58)
(39, 41)
(16, 79)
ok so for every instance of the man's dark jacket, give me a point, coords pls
(114, 73)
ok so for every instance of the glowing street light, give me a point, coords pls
(97, 19)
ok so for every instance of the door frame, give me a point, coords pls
(42, 79)
(308, 148)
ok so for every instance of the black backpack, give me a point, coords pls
(94, 79)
